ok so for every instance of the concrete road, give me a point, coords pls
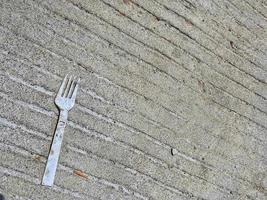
(172, 103)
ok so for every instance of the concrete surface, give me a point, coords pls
(172, 102)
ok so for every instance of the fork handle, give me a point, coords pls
(51, 165)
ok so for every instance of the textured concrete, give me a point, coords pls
(172, 104)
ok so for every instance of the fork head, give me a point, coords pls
(67, 93)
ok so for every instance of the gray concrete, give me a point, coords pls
(172, 103)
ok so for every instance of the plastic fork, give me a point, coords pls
(65, 101)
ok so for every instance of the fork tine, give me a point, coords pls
(73, 96)
(61, 89)
(66, 91)
(71, 88)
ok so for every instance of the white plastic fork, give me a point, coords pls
(65, 100)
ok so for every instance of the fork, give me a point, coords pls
(65, 101)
